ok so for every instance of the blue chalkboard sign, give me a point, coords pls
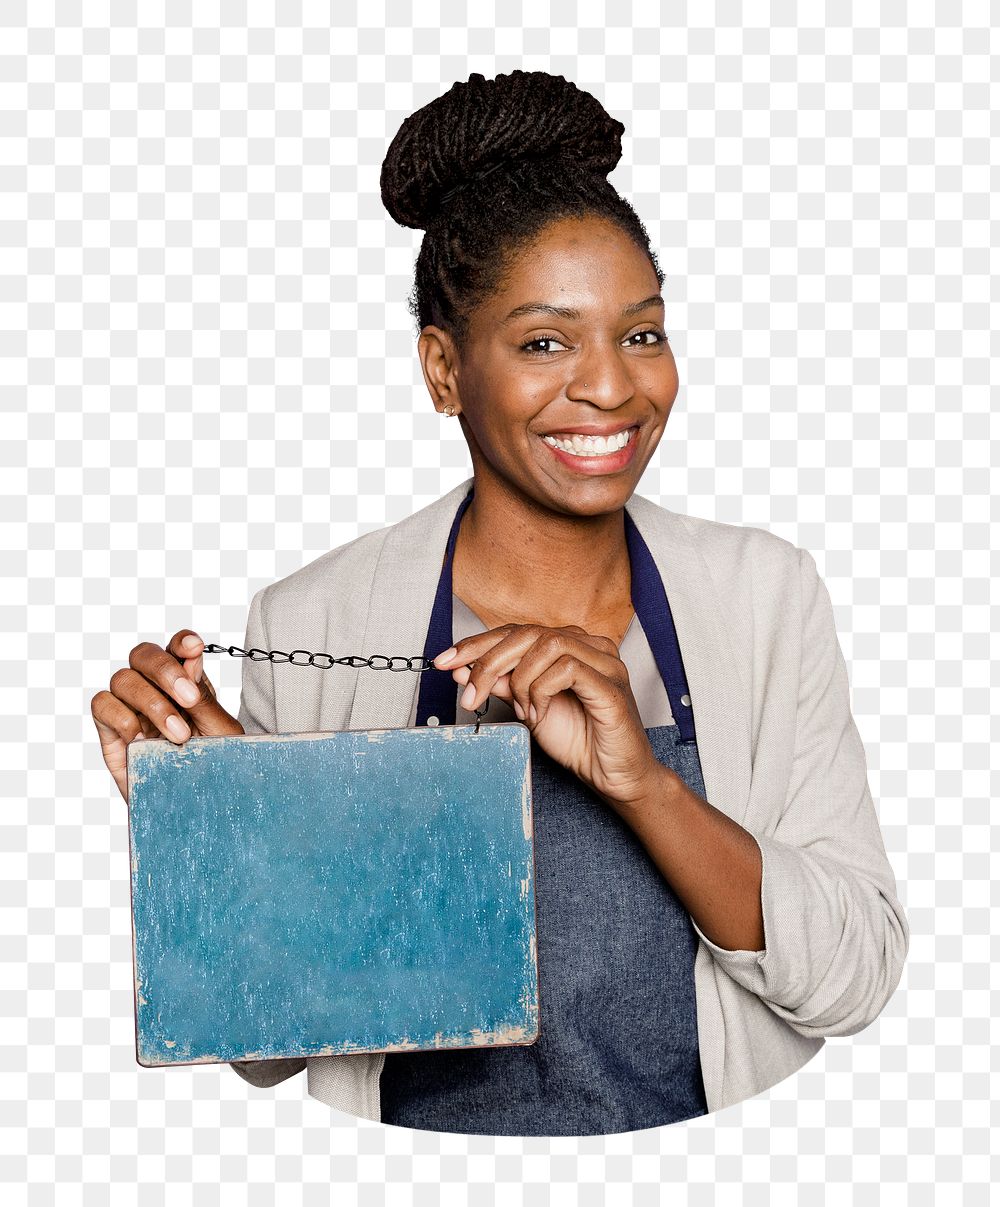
(315, 894)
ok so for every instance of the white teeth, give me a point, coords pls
(591, 446)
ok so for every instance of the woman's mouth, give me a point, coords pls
(594, 454)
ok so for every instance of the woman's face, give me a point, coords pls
(572, 343)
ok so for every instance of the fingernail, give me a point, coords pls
(191, 642)
(532, 714)
(447, 655)
(519, 710)
(176, 728)
(186, 692)
(468, 695)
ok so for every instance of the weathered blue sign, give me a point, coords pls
(314, 894)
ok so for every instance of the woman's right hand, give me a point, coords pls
(161, 693)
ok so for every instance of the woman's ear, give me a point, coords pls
(438, 360)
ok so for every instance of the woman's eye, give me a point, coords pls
(542, 339)
(659, 337)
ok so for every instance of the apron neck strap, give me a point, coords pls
(436, 702)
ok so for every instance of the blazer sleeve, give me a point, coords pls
(257, 715)
(835, 932)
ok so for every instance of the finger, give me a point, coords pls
(117, 725)
(500, 689)
(469, 648)
(165, 671)
(600, 695)
(207, 714)
(196, 697)
(189, 647)
(143, 697)
(527, 651)
(597, 640)
(605, 657)
(149, 730)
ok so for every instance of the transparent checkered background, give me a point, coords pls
(209, 377)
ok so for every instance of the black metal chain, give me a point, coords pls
(307, 659)
(352, 660)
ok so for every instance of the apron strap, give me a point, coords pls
(653, 609)
(436, 702)
(438, 690)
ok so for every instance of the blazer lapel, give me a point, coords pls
(402, 597)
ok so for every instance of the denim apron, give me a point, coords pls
(618, 1038)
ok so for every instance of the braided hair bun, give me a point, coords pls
(484, 168)
(482, 126)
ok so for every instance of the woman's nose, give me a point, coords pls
(612, 383)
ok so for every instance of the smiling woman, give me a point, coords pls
(713, 895)
(562, 417)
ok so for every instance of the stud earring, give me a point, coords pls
(449, 410)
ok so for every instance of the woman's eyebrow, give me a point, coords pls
(567, 312)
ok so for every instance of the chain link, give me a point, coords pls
(304, 658)
(352, 660)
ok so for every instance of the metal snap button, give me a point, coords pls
(433, 721)
(686, 700)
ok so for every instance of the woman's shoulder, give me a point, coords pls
(345, 573)
(723, 546)
(347, 569)
(759, 582)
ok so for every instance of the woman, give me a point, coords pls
(690, 953)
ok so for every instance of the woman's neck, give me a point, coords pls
(520, 561)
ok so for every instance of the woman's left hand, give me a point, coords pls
(573, 693)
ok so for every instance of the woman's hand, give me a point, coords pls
(572, 690)
(161, 693)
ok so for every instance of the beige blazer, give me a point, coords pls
(779, 749)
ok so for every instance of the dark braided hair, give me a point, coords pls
(483, 168)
